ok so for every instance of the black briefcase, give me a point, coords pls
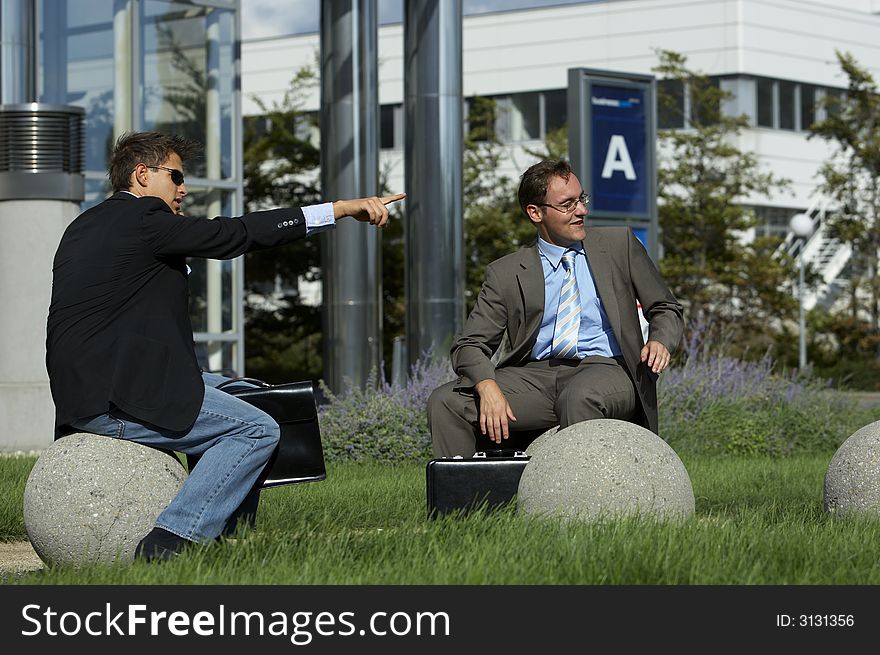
(489, 479)
(299, 456)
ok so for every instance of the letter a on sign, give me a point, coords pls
(618, 159)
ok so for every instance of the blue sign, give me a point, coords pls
(619, 150)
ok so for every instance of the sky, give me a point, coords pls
(268, 18)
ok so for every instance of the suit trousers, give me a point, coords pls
(235, 441)
(541, 394)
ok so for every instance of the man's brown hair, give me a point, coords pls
(535, 181)
(150, 148)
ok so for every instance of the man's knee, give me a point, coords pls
(443, 400)
(593, 397)
(451, 433)
(264, 431)
(272, 431)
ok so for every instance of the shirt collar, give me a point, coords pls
(553, 253)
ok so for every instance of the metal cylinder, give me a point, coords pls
(18, 76)
(349, 169)
(434, 241)
(42, 152)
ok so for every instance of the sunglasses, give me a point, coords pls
(176, 175)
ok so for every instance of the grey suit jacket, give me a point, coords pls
(511, 301)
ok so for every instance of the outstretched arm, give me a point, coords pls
(371, 210)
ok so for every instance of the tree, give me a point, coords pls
(282, 334)
(281, 168)
(494, 225)
(739, 286)
(393, 301)
(852, 178)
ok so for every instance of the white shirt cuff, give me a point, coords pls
(319, 217)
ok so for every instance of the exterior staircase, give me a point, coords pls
(825, 254)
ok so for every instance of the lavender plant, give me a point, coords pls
(382, 422)
(711, 403)
(715, 404)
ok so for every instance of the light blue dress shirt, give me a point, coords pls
(318, 217)
(595, 336)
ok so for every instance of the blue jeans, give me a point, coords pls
(235, 441)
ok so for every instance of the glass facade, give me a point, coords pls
(168, 66)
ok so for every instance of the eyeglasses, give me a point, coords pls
(176, 175)
(569, 205)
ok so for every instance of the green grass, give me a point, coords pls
(757, 521)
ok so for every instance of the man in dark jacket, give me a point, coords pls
(120, 344)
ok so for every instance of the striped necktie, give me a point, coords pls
(568, 313)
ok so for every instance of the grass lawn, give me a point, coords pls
(757, 521)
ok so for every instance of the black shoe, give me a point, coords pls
(160, 544)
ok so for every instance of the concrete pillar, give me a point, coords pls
(41, 186)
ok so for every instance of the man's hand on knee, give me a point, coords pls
(494, 411)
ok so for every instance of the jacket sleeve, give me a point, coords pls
(221, 237)
(662, 311)
(472, 350)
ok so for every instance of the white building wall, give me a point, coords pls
(530, 50)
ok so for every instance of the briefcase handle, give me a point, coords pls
(253, 381)
(489, 454)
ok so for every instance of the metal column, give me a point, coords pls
(213, 171)
(433, 150)
(350, 254)
(18, 77)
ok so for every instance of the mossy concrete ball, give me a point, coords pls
(91, 499)
(852, 482)
(604, 468)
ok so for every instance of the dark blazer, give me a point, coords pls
(511, 301)
(118, 331)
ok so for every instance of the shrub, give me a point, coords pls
(714, 404)
(711, 404)
(382, 422)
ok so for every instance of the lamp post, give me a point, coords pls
(801, 226)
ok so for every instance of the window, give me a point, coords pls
(832, 101)
(765, 103)
(386, 126)
(519, 117)
(808, 106)
(555, 110)
(187, 59)
(709, 111)
(480, 112)
(772, 221)
(786, 105)
(670, 104)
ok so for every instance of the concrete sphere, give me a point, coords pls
(91, 499)
(604, 467)
(546, 432)
(852, 482)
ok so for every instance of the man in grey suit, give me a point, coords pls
(568, 306)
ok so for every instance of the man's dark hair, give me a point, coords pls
(150, 148)
(534, 182)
